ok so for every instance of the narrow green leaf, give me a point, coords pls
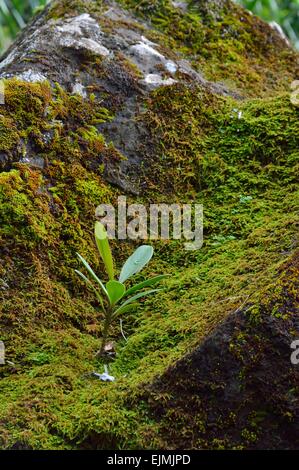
(136, 262)
(92, 273)
(125, 309)
(115, 291)
(135, 297)
(89, 283)
(147, 283)
(104, 248)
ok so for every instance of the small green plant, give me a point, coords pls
(110, 294)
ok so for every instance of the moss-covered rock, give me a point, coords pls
(162, 103)
(227, 393)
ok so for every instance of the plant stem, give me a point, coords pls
(105, 331)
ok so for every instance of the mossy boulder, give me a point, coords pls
(162, 101)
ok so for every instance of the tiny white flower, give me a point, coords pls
(105, 377)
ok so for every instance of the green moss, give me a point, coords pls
(20, 209)
(25, 102)
(209, 142)
(9, 135)
(179, 117)
(71, 8)
(242, 252)
(51, 324)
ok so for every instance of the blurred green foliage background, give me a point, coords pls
(283, 12)
(15, 13)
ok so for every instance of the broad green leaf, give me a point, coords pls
(147, 283)
(92, 273)
(125, 309)
(136, 262)
(104, 248)
(135, 297)
(89, 283)
(115, 291)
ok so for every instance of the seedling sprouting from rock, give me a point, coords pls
(113, 296)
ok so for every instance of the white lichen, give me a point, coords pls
(280, 31)
(31, 76)
(105, 377)
(147, 41)
(81, 32)
(144, 50)
(95, 47)
(171, 66)
(8, 60)
(156, 80)
(181, 5)
(79, 89)
(75, 26)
